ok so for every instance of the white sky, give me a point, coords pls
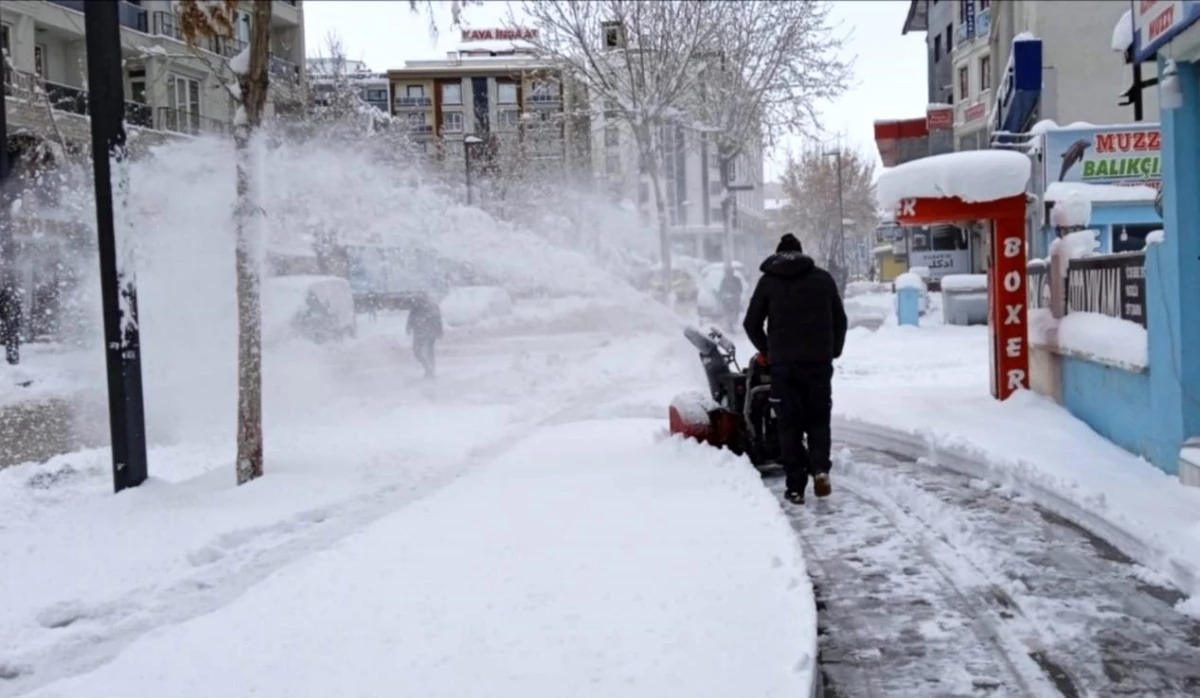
(889, 68)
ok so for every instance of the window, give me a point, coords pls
(376, 95)
(506, 93)
(985, 73)
(949, 39)
(183, 104)
(543, 92)
(452, 93)
(5, 36)
(241, 27)
(937, 48)
(964, 82)
(452, 122)
(416, 122)
(984, 4)
(1131, 238)
(715, 188)
(612, 34)
(39, 60)
(509, 119)
(612, 135)
(417, 91)
(137, 86)
(733, 171)
(962, 13)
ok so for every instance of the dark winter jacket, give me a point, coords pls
(425, 320)
(800, 305)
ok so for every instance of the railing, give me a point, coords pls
(65, 98)
(1113, 285)
(130, 15)
(180, 121)
(420, 128)
(544, 99)
(284, 70)
(413, 102)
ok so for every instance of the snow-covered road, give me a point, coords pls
(931, 583)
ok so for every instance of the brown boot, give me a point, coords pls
(821, 485)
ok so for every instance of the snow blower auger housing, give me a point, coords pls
(736, 413)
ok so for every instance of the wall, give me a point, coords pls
(1114, 402)
(942, 15)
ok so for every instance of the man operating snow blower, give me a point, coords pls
(805, 332)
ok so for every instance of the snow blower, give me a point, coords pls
(736, 413)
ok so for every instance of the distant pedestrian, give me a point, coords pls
(730, 297)
(425, 326)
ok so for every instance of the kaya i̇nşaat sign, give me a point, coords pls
(1122, 155)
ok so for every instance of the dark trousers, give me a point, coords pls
(423, 350)
(802, 397)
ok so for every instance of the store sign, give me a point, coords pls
(968, 7)
(1018, 93)
(974, 112)
(942, 262)
(939, 118)
(1126, 155)
(1008, 313)
(1156, 22)
(499, 34)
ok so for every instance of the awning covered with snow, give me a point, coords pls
(973, 176)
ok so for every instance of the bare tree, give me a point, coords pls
(209, 18)
(640, 59)
(777, 61)
(810, 183)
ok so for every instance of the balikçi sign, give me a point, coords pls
(1105, 155)
(499, 34)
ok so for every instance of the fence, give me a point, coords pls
(1113, 285)
(1039, 284)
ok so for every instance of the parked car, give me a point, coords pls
(317, 308)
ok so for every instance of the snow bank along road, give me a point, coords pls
(514, 528)
(932, 583)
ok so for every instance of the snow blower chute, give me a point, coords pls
(736, 413)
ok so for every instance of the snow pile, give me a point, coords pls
(974, 176)
(1042, 127)
(1155, 237)
(1104, 339)
(1081, 243)
(1122, 34)
(965, 283)
(1073, 210)
(1096, 193)
(859, 288)
(910, 280)
(472, 304)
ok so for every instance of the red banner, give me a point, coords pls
(1008, 319)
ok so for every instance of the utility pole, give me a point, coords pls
(118, 293)
(841, 226)
(10, 302)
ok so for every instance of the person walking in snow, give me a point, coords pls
(425, 326)
(730, 297)
(805, 331)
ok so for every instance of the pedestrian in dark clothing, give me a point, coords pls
(806, 330)
(425, 326)
(730, 297)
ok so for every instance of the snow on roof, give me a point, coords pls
(1043, 126)
(1061, 191)
(1122, 36)
(973, 176)
(1024, 36)
(497, 45)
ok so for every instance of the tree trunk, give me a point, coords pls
(250, 244)
(646, 146)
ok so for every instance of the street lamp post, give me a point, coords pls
(469, 141)
(118, 293)
(10, 304)
(841, 232)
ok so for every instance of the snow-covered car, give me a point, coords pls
(708, 300)
(316, 308)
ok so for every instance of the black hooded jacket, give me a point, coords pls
(800, 305)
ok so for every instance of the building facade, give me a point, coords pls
(371, 87)
(169, 86)
(496, 105)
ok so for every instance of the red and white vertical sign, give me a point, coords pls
(1008, 314)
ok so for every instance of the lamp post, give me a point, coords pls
(118, 293)
(10, 304)
(469, 141)
(841, 232)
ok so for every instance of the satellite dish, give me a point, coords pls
(1158, 203)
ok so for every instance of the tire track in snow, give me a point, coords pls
(237, 561)
(1051, 609)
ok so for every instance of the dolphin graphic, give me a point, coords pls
(1073, 155)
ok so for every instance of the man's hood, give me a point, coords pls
(789, 264)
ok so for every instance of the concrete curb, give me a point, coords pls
(975, 463)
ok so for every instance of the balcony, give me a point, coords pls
(284, 70)
(413, 103)
(130, 15)
(420, 129)
(190, 123)
(545, 100)
(67, 99)
(979, 30)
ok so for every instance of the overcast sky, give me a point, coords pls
(889, 68)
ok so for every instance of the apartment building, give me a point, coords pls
(323, 74)
(1082, 78)
(971, 61)
(169, 86)
(495, 102)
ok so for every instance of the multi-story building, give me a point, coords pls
(936, 19)
(971, 61)
(324, 73)
(493, 104)
(169, 85)
(1081, 76)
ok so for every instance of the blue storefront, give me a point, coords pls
(1162, 31)
(1117, 168)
